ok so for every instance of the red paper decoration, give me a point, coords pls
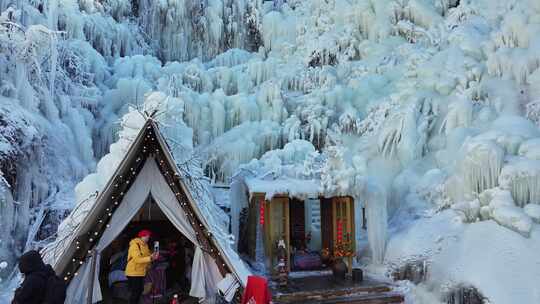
(261, 213)
(339, 230)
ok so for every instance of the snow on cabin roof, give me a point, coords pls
(198, 189)
(286, 171)
(291, 187)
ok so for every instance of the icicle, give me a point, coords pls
(481, 164)
(376, 222)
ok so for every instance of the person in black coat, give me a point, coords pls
(36, 274)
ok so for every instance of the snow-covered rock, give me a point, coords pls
(533, 211)
(513, 218)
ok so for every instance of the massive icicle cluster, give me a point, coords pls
(415, 104)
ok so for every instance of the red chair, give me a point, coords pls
(257, 291)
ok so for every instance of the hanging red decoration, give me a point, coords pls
(339, 230)
(261, 212)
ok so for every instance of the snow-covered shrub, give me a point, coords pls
(414, 269)
(432, 187)
(239, 145)
(464, 294)
(337, 176)
(468, 211)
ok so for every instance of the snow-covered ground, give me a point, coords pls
(500, 263)
(424, 110)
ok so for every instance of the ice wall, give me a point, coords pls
(388, 91)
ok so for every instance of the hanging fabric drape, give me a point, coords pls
(150, 181)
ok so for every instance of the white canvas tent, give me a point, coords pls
(147, 169)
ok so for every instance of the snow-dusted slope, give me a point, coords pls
(433, 103)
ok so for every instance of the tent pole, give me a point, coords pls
(92, 277)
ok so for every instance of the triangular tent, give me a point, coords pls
(147, 169)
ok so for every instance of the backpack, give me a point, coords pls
(56, 290)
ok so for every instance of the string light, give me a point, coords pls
(181, 199)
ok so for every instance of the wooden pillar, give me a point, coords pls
(286, 229)
(92, 277)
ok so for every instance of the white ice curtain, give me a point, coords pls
(205, 273)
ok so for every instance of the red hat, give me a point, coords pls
(144, 233)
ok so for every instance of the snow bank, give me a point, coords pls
(476, 254)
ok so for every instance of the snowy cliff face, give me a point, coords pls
(430, 103)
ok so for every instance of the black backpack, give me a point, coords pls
(56, 290)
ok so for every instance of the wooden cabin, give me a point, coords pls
(312, 229)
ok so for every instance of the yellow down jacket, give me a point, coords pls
(138, 258)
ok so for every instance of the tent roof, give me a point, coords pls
(89, 218)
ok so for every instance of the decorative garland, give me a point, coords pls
(121, 186)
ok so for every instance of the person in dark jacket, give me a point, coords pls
(36, 274)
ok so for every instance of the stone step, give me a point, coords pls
(354, 294)
(368, 298)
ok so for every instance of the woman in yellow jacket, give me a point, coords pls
(139, 259)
